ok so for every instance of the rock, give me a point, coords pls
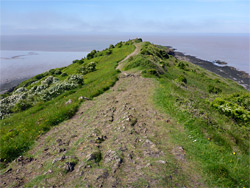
(69, 166)
(24, 160)
(60, 142)
(110, 156)
(96, 156)
(179, 153)
(161, 162)
(83, 98)
(101, 174)
(54, 161)
(61, 150)
(73, 136)
(147, 165)
(48, 172)
(8, 170)
(100, 139)
(68, 102)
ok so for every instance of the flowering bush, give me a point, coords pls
(49, 88)
(90, 67)
(235, 106)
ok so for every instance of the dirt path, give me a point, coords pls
(137, 50)
(116, 140)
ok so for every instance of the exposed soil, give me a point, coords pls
(116, 140)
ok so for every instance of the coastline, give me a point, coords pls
(241, 77)
(225, 71)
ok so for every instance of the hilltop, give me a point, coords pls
(132, 115)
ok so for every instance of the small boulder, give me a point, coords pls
(68, 102)
(83, 98)
(69, 166)
(96, 156)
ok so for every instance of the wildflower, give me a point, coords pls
(209, 138)
(234, 153)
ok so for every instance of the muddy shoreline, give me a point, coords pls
(232, 73)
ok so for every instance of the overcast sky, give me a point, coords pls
(123, 16)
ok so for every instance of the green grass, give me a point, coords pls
(216, 143)
(20, 130)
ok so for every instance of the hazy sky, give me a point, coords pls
(123, 16)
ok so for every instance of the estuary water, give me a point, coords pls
(23, 64)
(26, 56)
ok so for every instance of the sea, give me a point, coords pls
(26, 56)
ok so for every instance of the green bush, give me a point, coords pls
(138, 40)
(182, 79)
(235, 106)
(90, 67)
(22, 105)
(75, 61)
(108, 52)
(52, 71)
(119, 44)
(111, 46)
(40, 76)
(181, 65)
(64, 74)
(91, 54)
(213, 89)
(152, 72)
(58, 72)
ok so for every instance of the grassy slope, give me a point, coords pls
(20, 130)
(218, 145)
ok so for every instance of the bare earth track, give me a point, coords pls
(118, 140)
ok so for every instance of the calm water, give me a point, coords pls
(22, 64)
(232, 49)
(23, 56)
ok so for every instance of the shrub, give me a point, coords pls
(235, 106)
(52, 71)
(64, 74)
(152, 72)
(181, 65)
(91, 54)
(213, 89)
(130, 58)
(182, 79)
(40, 76)
(22, 105)
(90, 67)
(111, 46)
(138, 40)
(58, 72)
(75, 61)
(108, 52)
(119, 44)
(128, 42)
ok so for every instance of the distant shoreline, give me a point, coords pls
(230, 72)
(225, 71)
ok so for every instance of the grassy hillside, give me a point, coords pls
(214, 113)
(34, 112)
(204, 129)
